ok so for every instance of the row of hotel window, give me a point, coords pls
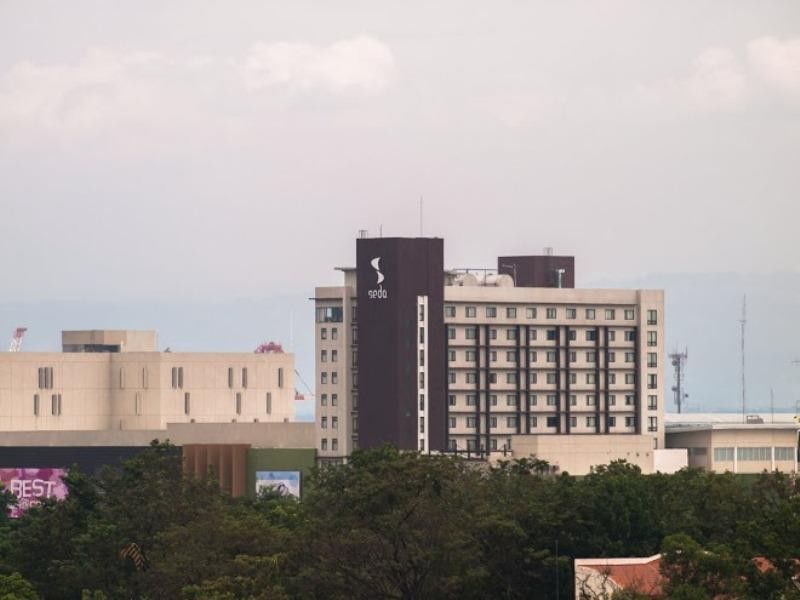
(751, 454)
(512, 377)
(551, 312)
(323, 423)
(591, 422)
(550, 356)
(177, 378)
(552, 400)
(590, 335)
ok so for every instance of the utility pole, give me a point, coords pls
(743, 322)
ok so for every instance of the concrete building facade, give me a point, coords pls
(119, 380)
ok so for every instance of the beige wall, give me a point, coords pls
(577, 454)
(133, 390)
(701, 443)
(127, 340)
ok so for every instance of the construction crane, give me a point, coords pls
(16, 339)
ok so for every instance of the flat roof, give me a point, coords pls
(693, 427)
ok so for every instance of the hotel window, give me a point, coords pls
(491, 312)
(323, 377)
(551, 313)
(591, 335)
(511, 356)
(334, 422)
(652, 317)
(421, 335)
(452, 445)
(511, 400)
(750, 454)
(471, 377)
(472, 400)
(137, 403)
(573, 356)
(180, 377)
(551, 356)
(334, 333)
(630, 335)
(269, 403)
(611, 314)
(630, 421)
(530, 312)
(174, 374)
(421, 312)
(334, 378)
(552, 421)
(591, 400)
(532, 377)
(572, 313)
(45, 378)
(451, 421)
(244, 376)
(493, 334)
(323, 444)
(612, 421)
(612, 335)
(591, 421)
(590, 314)
(629, 314)
(422, 381)
(329, 314)
(354, 312)
(334, 444)
(422, 401)
(511, 312)
(551, 400)
(573, 378)
(324, 423)
(451, 333)
(629, 399)
(187, 403)
(280, 377)
(591, 378)
(532, 356)
(652, 381)
(470, 333)
(334, 355)
(238, 403)
(449, 312)
(511, 422)
(551, 378)
(532, 422)
(451, 399)
(652, 424)
(355, 335)
(471, 355)
(354, 399)
(422, 358)
(573, 421)
(531, 399)
(629, 357)
(652, 402)
(573, 400)
(511, 334)
(652, 338)
(532, 334)
(591, 357)
(323, 401)
(493, 443)
(323, 333)
(572, 335)
(652, 360)
(612, 357)
(493, 423)
(492, 377)
(323, 356)
(784, 453)
(355, 358)
(334, 399)
(612, 378)
(36, 404)
(726, 454)
(471, 422)
(612, 400)
(630, 377)
(451, 355)
(493, 399)
(469, 312)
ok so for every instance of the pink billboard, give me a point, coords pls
(31, 485)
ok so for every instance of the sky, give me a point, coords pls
(169, 152)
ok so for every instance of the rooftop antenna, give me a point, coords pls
(743, 322)
(679, 364)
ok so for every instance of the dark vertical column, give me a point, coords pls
(639, 381)
(519, 382)
(567, 382)
(488, 388)
(558, 385)
(597, 354)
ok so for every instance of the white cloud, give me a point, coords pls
(777, 62)
(360, 64)
(717, 80)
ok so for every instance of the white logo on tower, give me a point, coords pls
(378, 292)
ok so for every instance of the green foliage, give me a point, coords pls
(399, 525)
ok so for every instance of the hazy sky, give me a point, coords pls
(216, 150)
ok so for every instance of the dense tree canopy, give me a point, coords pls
(399, 525)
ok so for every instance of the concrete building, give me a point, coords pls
(738, 447)
(119, 380)
(480, 361)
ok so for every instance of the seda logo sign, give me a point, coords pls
(377, 293)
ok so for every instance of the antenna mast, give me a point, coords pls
(743, 322)
(679, 364)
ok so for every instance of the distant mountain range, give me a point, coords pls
(702, 314)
